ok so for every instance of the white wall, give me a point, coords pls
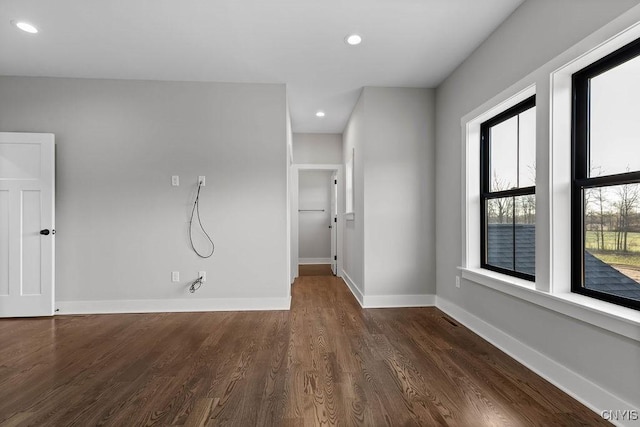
(293, 268)
(122, 227)
(399, 189)
(314, 188)
(317, 148)
(535, 33)
(390, 244)
(354, 251)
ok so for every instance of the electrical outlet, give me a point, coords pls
(175, 276)
(202, 180)
(175, 180)
(203, 274)
(457, 281)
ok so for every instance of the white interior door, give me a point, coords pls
(334, 223)
(26, 224)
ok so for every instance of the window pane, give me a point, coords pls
(500, 232)
(503, 155)
(525, 233)
(614, 118)
(527, 150)
(512, 152)
(612, 240)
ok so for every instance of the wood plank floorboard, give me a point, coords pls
(314, 270)
(325, 362)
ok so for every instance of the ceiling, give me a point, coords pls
(406, 43)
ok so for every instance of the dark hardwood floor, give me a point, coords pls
(315, 270)
(325, 362)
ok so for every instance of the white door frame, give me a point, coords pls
(295, 169)
(333, 220)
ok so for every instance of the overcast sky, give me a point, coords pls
(615, 119)
(504, 152)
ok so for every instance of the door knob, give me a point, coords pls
(46, 232)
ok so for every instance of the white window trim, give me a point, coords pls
(560, 148)
(551, 84)
(471, 175)
(621, 320)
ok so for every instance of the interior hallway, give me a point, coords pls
(327, 361)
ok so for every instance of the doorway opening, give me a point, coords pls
(316, 222)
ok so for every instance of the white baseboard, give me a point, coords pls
(389, 301)
(307, 261)
(588, 393)
(355, 290)
(172, 305)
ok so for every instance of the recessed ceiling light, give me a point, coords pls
(353, 39)
(25, 26)
(320, 114)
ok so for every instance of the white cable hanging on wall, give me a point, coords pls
(195, 211)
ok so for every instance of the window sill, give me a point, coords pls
(621, 320)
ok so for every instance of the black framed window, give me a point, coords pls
(507, 191)
(605, 193)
